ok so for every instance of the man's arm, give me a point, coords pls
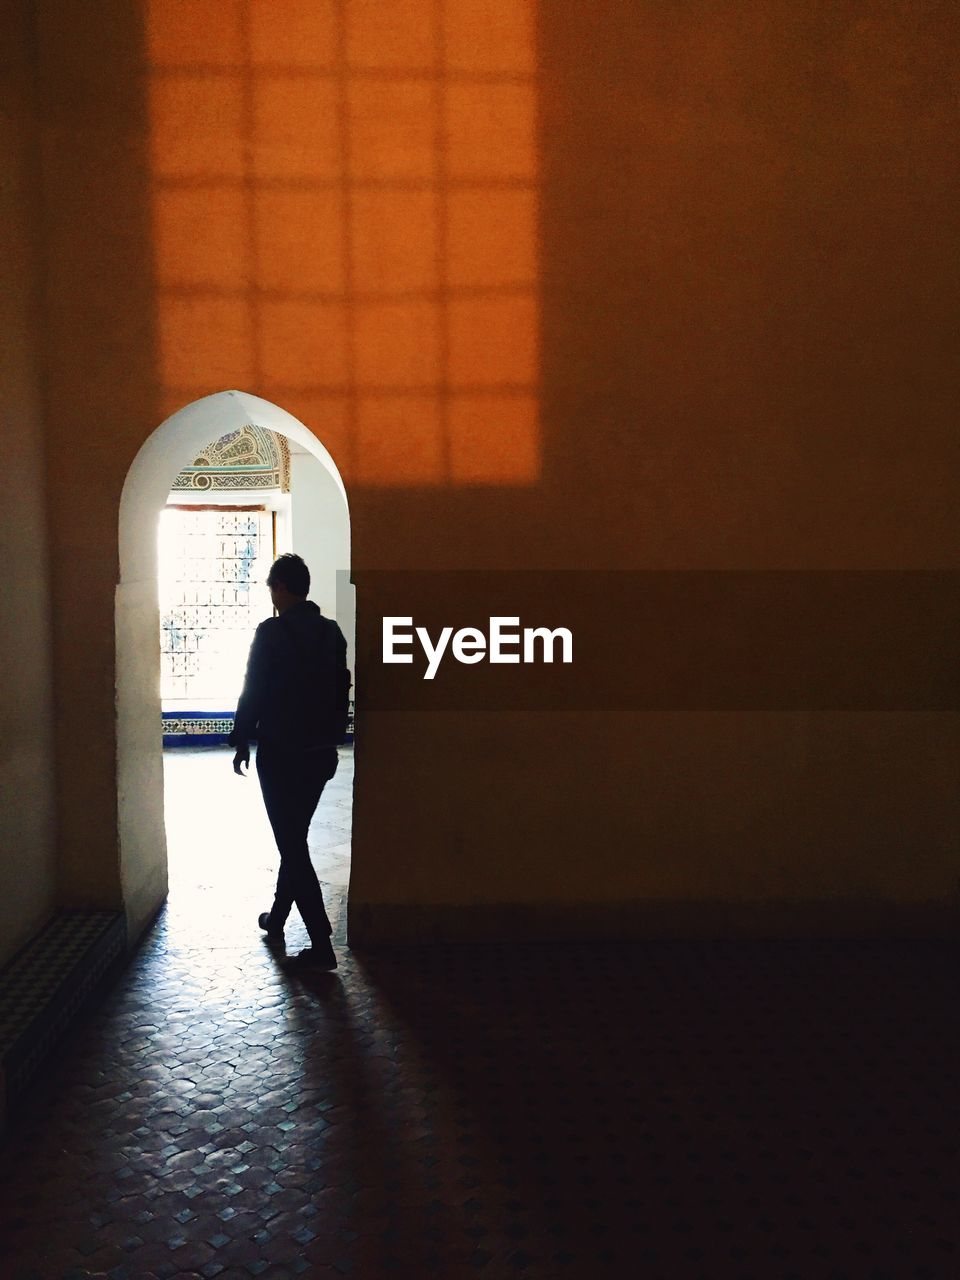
(251, 700)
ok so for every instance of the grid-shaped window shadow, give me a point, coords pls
(346, 223)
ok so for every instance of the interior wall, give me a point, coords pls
(100, 372)
(747, 251)
(320, 534)
(745, 283)
(27, 868)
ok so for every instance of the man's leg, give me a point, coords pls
(275, 786)
(282, 898)
(292, 784)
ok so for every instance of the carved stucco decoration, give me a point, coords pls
(250, 458)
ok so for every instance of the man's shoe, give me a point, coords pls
(273, 935)
(313, 960)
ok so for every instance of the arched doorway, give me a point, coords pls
(173, 446)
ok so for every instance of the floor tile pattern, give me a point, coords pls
(768, 1111)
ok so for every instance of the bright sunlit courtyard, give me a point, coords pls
(222, 857)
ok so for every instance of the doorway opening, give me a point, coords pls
(215, 494)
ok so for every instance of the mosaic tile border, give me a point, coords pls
(253, 457)
(196, 728)
(47, 982)
(209, 728)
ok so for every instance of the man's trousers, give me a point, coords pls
(292, 783)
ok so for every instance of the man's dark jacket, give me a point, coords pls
(297, 687)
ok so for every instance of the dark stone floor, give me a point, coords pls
(668, 1110)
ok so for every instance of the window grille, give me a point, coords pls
(212, 569)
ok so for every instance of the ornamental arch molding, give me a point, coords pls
(247, 431)
(252, 457)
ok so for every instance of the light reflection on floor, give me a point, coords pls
(222, 857)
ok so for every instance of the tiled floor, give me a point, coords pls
(662, 1110)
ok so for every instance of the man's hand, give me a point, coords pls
(241, 758)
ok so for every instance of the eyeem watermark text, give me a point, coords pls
(506, 643)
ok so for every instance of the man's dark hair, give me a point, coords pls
(290, 571)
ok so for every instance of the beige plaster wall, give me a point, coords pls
(747, 271)
(27, 866)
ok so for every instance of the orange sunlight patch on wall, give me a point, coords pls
(491, 238)
(489, 36)
(291, 33)
(491, 131)
(303, 343)
(493, 439)
(279, 219)
(334, 412)
(206, 344)
(295, 132)
(199, 237)
(397, 35)
(493, 342)
(392, 130)
(394, 242)
(195, 126)
(397, 345)
(345, 222)
(398, 434)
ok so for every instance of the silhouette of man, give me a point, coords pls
(294, 702)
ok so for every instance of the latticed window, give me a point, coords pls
(212, 568)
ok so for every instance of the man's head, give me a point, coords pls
(289, 581)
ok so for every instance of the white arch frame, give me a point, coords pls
(171, 447)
